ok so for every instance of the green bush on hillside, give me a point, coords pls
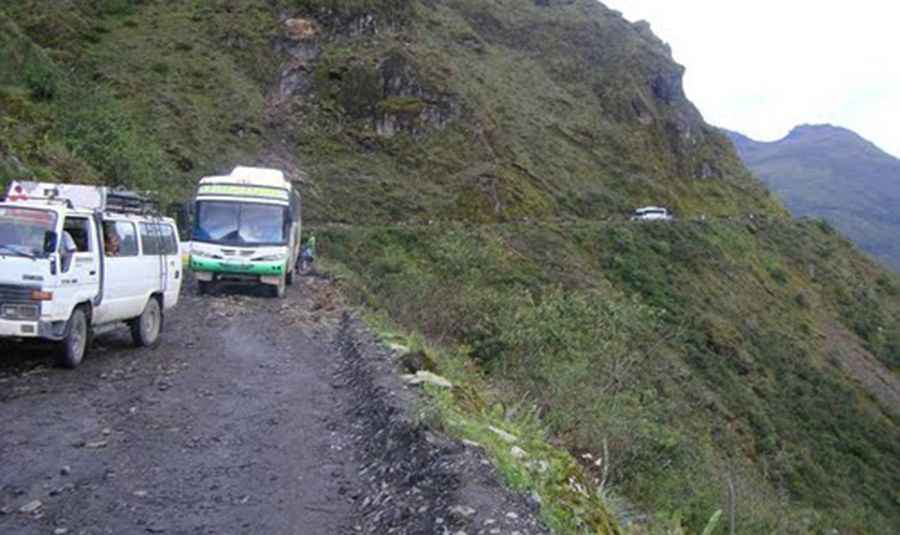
(99, 132)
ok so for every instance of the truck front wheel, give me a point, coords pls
(78, 338)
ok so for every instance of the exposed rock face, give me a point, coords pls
(407, 105)
(301, 29)
(300, 43)
(668, 87)
(391, 96)
(362, 20)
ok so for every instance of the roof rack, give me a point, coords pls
(129, 202)
(84, 197)
(51, 200)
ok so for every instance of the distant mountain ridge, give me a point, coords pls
(835, 174)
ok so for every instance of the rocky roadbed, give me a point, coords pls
(255, 415)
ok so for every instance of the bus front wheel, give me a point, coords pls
(203, 287)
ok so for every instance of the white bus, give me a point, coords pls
(246, 229)
(76, 261)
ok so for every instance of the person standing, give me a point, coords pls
(311, 247)
(307, 254)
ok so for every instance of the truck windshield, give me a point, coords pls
(236, 223)
(22, 230)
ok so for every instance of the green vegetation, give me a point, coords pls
(467, 165)
(681, 347)
(536, 125)
(147, 95)
(513, 435)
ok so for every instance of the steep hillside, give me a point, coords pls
(467, 165)
(833, 173)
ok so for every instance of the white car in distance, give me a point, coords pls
(651, 213)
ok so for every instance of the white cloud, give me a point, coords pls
(763, 67)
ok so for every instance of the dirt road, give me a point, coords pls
(247, 419)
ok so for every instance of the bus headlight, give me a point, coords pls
(204, 254)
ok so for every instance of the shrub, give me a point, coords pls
(40, 77)
(98, 131)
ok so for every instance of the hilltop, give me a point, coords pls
(835, 174)
(468, 167)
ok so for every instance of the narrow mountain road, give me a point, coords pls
(247, 419)
(228, 426)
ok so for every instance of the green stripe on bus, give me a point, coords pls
(249, 268)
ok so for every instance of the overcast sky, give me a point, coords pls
(765, 66)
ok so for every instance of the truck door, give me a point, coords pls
(80, 272)
(169, 248)
(153, 262)
(123, 280)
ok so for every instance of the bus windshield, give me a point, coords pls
(23, 230)
(237, 223)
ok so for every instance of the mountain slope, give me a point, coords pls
(468, 166)
(833, 173)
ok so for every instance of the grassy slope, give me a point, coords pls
(697, 351)
(143, 94)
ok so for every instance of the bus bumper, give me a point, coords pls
(208, 270)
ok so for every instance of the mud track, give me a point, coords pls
(255, 415)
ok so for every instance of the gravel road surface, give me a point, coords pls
(254, 415)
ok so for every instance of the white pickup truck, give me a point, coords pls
(76, 261)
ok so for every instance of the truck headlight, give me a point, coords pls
(21, 312)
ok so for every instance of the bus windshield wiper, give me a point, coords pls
(17, 252)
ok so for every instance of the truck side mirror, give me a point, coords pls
(50, 242)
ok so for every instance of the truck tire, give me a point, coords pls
(77, 341)
(146, 328)
(290, 277)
